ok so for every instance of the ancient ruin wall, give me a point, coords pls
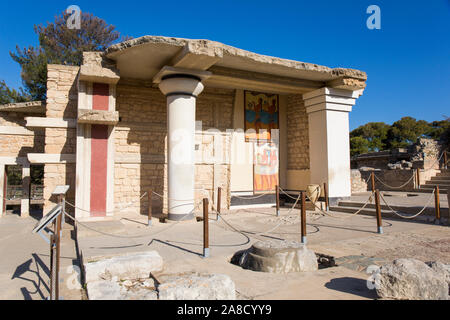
(62, 102)
(297, 133)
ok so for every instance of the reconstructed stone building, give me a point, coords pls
(170, 115)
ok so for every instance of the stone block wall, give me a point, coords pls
(297, 133)
(18, 145)
(62, 103)
(392, 179)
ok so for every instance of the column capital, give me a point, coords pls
(330, 99)
(180, 81)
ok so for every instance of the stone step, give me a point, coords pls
(437, 178)
(384, 213)
(407, 210)
(439, 183)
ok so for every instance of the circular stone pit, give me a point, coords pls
(277, 257)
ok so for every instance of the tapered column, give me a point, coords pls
(181, 90)
(329, 141)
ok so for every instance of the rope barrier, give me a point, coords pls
(399, 187)
(408, 217)
(146, 235)
(252, 197)
(352, 215)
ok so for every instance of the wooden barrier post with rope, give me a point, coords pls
(277, 199)
(303, 217)
(437, 205)
(205, 228)
(325, 194)
(150, 203)
(418, 178)
(378, 212)
(372, 179)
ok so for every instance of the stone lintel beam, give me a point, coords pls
(196, 55)
(239, 79)
(98, 117)
(347, 83)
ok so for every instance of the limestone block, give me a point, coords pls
(98, 116)
(411, 279)
(195, 286)
(137, 265)
(277, 257)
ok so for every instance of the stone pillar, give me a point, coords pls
(329, 141)
(25, 201)
(181, 90)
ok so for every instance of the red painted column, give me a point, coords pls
(99, 153)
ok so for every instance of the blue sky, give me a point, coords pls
(407, 61)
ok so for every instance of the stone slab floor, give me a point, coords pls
(24, 261)
(353, 240)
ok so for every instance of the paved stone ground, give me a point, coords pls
(24, 266)
(353, 241)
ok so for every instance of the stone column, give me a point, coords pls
(181, 90)
(329, 141)
(25, 201)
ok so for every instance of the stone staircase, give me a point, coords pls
(352, 206)
(442, 179)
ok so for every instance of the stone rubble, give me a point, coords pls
(411, 279)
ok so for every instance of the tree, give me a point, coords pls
(358, 145)
(61, 45)
(375, 133)
(10, 96)
(406, 131)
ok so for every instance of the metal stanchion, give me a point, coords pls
(205, 228)
(437, 205)
(219, 202)
(303, 217)
(277, 199)
(150, 202)
(378, 212)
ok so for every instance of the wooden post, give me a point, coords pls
(52, 265)
(378, 209)
(418, 178)
(219, 202)
(437, 205)
(205, 228)
(303, 217)
(55, 243)
(325, 194)
(277, 199)
(150, 203)
(372, 179)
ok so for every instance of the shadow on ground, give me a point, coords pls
(353, 286)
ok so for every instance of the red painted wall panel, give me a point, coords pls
(99, 161)
(100, 96)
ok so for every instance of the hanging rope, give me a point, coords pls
(399, 187)
(408, 217)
